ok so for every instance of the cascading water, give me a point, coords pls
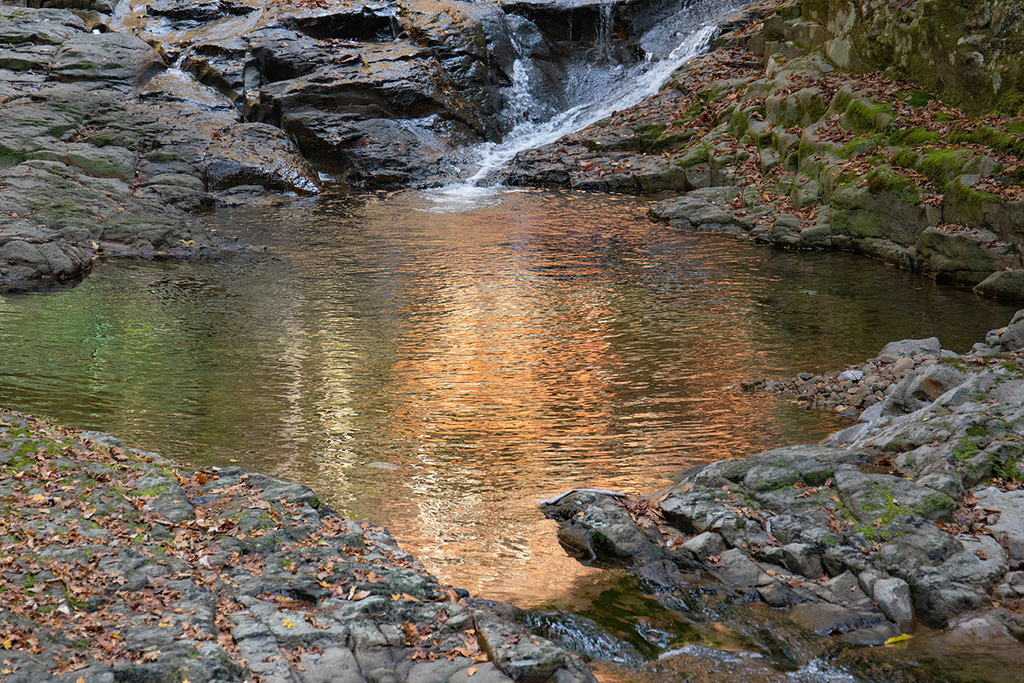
(605, 30)
(602, 88)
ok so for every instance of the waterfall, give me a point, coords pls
(604, 33)
(643, 81)
(600, 88)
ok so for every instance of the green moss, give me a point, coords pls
(991, 138)
(159, 157)
(957, 363)
(881, 180)
(740, 124)
(964, 195)
(860, 145)
(712, 93)
(1011, 469)
(976, 431)
(913, 137)
(905, 158)
(942, 165)
(862, 116)
(919, 98)
(965, 449)
(153, 491)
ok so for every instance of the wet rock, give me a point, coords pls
(240, 156)
(204, 10)
(597, 528)
(117, 58)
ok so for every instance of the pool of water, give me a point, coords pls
(437, 365)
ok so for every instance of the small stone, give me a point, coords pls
(705, 545)
(893, 597)
(804, 559)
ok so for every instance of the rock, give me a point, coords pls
(893, 597)
(705, 545)
(803, 559)
(1003, 284)
(1009, 528)
(241, 581)
(604, 532)
(116, 58)
(736, 569)
(911, 347)
(883, 497)
(258, 154)
(1010, 338)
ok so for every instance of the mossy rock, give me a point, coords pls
(943, 165)
(864, 116)
(967, 206)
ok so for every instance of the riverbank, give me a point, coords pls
(911, 516)
(118, 562)
(789, 134)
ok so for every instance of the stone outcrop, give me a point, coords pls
(102, 154)
(121, 565)
(913, 514)
(972, 54)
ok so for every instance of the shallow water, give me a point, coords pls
(437, 366)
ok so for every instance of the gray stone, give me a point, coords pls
(1009, 528)
(736, 569)
(893, 597)
(804, 559)
(875, 497)
(705, 545)
(911, 347)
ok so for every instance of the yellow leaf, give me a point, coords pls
(471, 670)
(898, 639)
(288, 624)
(8, 641)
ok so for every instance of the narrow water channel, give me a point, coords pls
(438, 370)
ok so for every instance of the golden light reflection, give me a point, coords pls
(438, 373)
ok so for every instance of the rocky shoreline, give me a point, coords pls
(797, 131)
(118, 564)
(913, 515)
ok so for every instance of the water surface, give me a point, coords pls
(439, 370)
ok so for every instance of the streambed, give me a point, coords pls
(437, 367)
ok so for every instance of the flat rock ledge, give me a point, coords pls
(913, 515)
(120, 565)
